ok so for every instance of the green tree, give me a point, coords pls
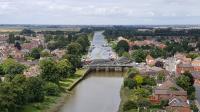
(35, 89)
(128, 105)
(7, 98)
(141, 92)
(132, 72)
(12, 67)
(35, 53)
(122, 45)
(129, 83)
(74, 48)
(127, 55)
(184, 82)
(64, 67)
(143, 103)
(75, 60)
(51, 89)
(188, 74)
(84, 42)
(149, 81)
(139, 55)
(49, 71)
(139, 80)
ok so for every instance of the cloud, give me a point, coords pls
(99, 12)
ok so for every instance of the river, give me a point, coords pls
(99, 91)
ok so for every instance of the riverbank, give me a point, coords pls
(53, 103)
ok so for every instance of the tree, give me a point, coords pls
(1, 70)
(160, 77)
(7, 98)
(18, 46)
(74, 48)
(138, 79)
(132, 72)
(84, 42)
(35, 89)
(11, 38)
(144, 103)
(28, 32)
(51, 89)
(12, 67)
(159, 64)
(49, 71)
(141, 92)
(35, 53)
(188, 74)
(139, 55)
(64, 67)
(184, 82)
(129, 83)
(13, 94)
(128, 105)
(149, 81)
(122, 45)
(75, 60)
(126, 54)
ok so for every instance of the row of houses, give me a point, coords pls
(144, 43)
(175, 96)
(177, 64)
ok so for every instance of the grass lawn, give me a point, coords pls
(52, 100)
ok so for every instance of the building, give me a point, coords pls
(170, 64)
(182, 58)
(196, 64)
(150, 60)
(58, 53)
(33, 71)
(181, 68)
(178, 104)
(196, 76)
(168, 90)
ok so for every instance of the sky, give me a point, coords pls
(100, 12)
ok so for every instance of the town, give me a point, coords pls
(154, 69)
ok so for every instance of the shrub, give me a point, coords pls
(129, 105)
(51, 89)
(129, 83)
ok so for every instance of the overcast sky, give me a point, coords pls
(98, 12)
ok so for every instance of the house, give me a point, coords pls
(33, 71)
(181, 68)
(182, 58)
(58, 53)
(16, 54)
(196, 64)
(150, 60)
(151, 71)
(167, 90)
(178, 104)
(196, 76)
(170, 64)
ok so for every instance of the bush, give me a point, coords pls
(194, 107)
(164, 103)
(129, 105)
(192, 96)
(51, 89)
(129, 83)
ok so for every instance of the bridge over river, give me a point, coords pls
(110, 65)
(99, 91)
